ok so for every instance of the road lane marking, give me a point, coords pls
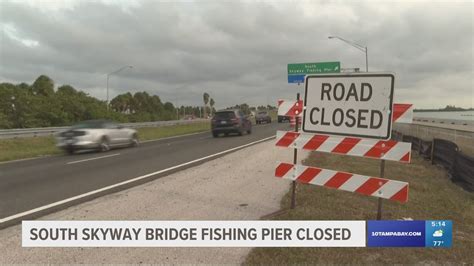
(94, 158)
(31, 158)
(57, 203)
(173, 137)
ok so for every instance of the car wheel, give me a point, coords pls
(134, 140)
(104, 144)
(215, 135)
(70, 151)
(249, 131)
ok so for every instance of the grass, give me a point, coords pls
(21, 148)
(432, 196)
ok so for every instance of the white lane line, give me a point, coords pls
(94, 158)
(32, 158)
(173, 137)
(57, 203)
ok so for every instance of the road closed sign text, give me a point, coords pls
(353, 105)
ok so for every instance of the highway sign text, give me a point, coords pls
(352, 105)
(297, 72)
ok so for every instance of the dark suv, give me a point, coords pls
(263, 116)
(230, 121)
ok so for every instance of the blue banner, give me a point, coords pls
(439, 234)
(296, 78)
(396, 233)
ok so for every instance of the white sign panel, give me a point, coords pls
(193, 233)
(357, 105)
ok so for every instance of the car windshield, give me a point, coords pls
(262, 113)
(224, 115)
(90, 124)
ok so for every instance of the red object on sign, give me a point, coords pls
(371, 148)
(402, 112)
(366, 185)
(290, 108)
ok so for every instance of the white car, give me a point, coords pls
(96, 134)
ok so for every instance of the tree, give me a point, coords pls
(38, 105)
(122, 103)
(69, 103)
(245, 108)
(211, 103)
(169, 107)
(205, 97)
(4, 122)
(44, 86)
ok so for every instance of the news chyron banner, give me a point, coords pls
(237, 233)
(193, 233)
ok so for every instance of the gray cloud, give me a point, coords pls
(238, 51)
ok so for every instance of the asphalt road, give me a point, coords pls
(29, 184)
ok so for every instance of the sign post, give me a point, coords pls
(379, 202)
(295, 156)
(296, 74)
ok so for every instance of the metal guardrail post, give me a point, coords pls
(420, 143)
(432, 150)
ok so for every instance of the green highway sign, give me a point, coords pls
(314, 68)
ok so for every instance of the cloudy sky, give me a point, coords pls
(237, 51)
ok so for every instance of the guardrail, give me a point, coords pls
(48, 131)
(444, 121)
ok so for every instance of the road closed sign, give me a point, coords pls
(357, 105)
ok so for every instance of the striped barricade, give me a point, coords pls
(361, 147)
(290, 108)
(402, 113)
(366, 185)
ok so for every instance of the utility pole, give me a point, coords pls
(357, 46)
(108, 76)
